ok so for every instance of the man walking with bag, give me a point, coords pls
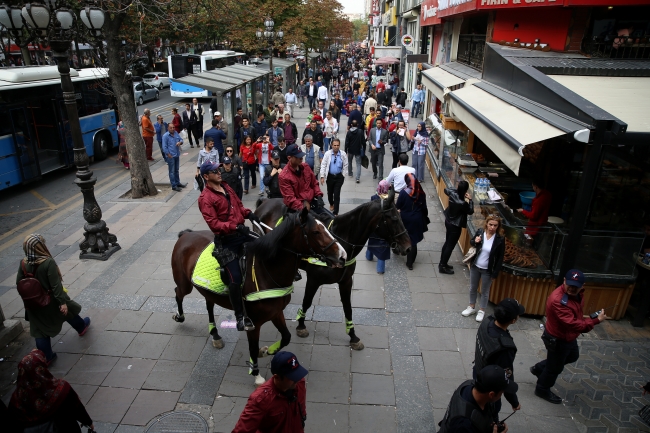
(377, 138)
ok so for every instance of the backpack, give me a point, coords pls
(31, 290)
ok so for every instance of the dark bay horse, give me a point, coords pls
(352, 230)
(271, 263)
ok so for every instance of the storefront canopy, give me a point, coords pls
(506, 124)
(438, 80)
(627, 98)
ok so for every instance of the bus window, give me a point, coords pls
(24, 143)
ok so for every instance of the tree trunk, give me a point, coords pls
(141, 180)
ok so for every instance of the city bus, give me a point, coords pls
(181, 65)
(35, 137)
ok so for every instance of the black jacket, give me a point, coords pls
(233, 179)
(354, 141)
(317, 136)
(458, 209)
(272, 181)
(496, 253)
(400, 99)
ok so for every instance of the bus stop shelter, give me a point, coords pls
(234, 87)
(285, 67)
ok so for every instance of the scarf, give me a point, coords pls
(423, 132)
(36, 252)
(38, 394)
(414, 186)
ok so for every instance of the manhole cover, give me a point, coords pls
(179, 422)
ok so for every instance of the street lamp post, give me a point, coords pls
(270, 36)
(57, 24)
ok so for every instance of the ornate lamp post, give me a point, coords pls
(270, 36)
(55, 23)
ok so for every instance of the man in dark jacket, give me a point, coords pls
(260, 126)
(290, 130)
(316, 133)
(272, 173)
(400, 98)
(231, 175)
(355, 146)
(246, 130)
(355, 114)
(189, 120)
(217, 136)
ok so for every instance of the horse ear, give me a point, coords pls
(390, 199)
(304, 215)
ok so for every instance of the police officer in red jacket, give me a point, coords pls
(224, 213)
(564, 323)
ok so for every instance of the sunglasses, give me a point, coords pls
(228, 151)
(214, 171)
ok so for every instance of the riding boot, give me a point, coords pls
(243, 323)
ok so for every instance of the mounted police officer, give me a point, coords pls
(224, 214)
(298, 184)
(495, 346)
(472, 409)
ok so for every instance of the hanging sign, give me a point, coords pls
(407, 40)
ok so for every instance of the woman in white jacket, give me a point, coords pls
(332, 169)
(330, 128)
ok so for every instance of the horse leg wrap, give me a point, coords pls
(211, 327)
(252, 366)
(301, 314)
(349, 325)
(274, 348)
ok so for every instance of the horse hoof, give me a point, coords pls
(357, 346)
(179, 319)
(259, 380)
(218, 343)
(302, 333)
(264, 351)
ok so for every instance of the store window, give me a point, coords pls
(618, 33)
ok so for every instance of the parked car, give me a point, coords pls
(144, 92)
(136, 79)
(158, 80)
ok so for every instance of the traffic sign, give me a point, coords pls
(407, 40)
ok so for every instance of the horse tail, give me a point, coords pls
(182, 232)
(259, 202)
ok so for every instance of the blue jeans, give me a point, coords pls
(358, 159)
(418, 163)
(161, 151)
(174, 177)
(326, 144)
(262, 169)
(381, 264)
(44, 344)
(415, 109)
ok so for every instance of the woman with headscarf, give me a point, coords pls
(40, 399)
(412, 206)
(123, 155)
(46, 322)
(378, 247)
(420, 143)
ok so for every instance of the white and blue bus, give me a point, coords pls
(35, 136)
(181, 65)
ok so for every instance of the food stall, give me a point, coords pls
(534, 255)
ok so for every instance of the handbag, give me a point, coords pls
(365, 162)
(471, 253)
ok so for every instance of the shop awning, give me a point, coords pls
(506, 127)
(627, 98)
(438, 80)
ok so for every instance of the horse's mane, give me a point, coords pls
(269, 245)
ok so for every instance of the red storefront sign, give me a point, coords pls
(429, 13)
(454, 7)
(605, 2)
(503, 4)
(375, 7)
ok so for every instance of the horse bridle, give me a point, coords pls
(312, 253)
(383, 219)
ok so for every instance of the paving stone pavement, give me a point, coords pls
(136, 363)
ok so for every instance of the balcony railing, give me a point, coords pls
(470, 50)
(617, 47)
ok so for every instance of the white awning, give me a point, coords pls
(504, 128)
(437, 80)
(627, 98)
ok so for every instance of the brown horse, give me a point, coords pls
(271, 263)
(352, 229)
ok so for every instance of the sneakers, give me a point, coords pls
(480, 315)
(87, 322)
(261, 193)
(469, 311)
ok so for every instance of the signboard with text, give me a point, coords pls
(429, 13)
(453, 7)
(511, 4)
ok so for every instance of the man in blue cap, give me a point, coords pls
(278, 406)
(565, 322)
(224, 213)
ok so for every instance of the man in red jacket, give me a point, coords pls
(224, 213)
(298, 183)
(278, 406)
(564, 323)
